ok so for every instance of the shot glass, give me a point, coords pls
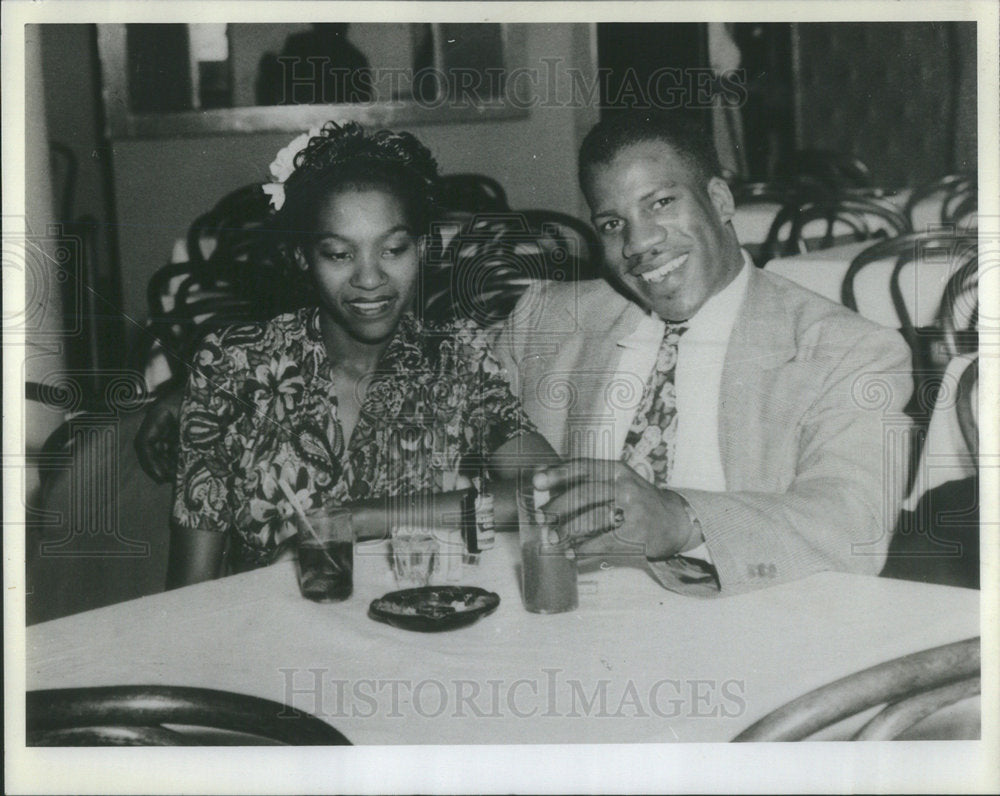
(548, 562)
(414, 552)
(326, 555)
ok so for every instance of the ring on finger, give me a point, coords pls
(618, 517)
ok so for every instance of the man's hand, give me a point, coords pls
(588, 493)
(157, 438)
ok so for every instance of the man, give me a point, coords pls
(713, 415)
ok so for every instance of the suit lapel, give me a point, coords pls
(762, 339)
(606, 378)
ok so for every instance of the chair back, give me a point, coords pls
(235, 272)
(794, 229)
(959, 251)
(482, 271)
(960, 304)
(156, 715)
(912, 687)
(958, 195)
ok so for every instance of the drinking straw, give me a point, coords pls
(297, 508)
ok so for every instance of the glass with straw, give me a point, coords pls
(325, 551)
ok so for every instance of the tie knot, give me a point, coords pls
(675, 329)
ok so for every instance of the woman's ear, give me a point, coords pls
(300, 259)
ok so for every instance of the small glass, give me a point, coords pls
(414, 552)
(548, 561)
(326, 555)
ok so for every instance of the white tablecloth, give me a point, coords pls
(634, 663)
(823, 272)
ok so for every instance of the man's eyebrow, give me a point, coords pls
(664, 186)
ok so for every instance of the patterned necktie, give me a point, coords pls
(649, 445)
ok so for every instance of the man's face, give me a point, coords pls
(665, 233)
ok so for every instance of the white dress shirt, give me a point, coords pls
(701, 353)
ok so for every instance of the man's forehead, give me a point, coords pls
(638, 165)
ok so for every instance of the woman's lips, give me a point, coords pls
(370, 308)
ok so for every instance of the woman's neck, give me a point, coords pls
(347, 354)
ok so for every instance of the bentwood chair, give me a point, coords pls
(235, 272)
(959, 198)
(911, 688)
(481, 272)
(156, 715)
(841, 218)
(960, 253)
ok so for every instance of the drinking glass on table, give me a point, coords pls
(414, 553)
(325, 554)
(548, 562)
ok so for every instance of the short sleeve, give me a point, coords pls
(204, 464)
(492, 415)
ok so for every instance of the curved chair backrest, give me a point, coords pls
(136, 715)
(905, 249)
(913, 687)
(234, 273)
(863, 218)
(960, 304)
(959, 196)
(483, 270)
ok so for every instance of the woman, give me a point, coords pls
(349, 401)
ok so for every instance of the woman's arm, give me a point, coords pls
(195, 556)
(526, 452)
(375, 518)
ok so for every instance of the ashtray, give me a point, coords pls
(430, 609)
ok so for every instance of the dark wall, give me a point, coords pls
(901, 96)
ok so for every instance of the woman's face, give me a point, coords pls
(364, 261)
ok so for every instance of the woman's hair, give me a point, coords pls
(345, 157)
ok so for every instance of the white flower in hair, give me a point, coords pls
(283, 165)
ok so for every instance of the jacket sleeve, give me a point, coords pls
(838, 510)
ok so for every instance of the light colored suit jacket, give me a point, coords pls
(812, 433)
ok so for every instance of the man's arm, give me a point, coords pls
(849, 481)
(832, 516)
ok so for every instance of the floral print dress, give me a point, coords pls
(261, 405)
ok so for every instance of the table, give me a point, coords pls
(634, 663)
(823, 271)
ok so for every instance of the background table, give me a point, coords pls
(669, 667)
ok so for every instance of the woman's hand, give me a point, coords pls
(607, 508)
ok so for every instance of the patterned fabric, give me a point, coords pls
(649, 445)
(261, 406)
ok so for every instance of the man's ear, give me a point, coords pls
(722, 198)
